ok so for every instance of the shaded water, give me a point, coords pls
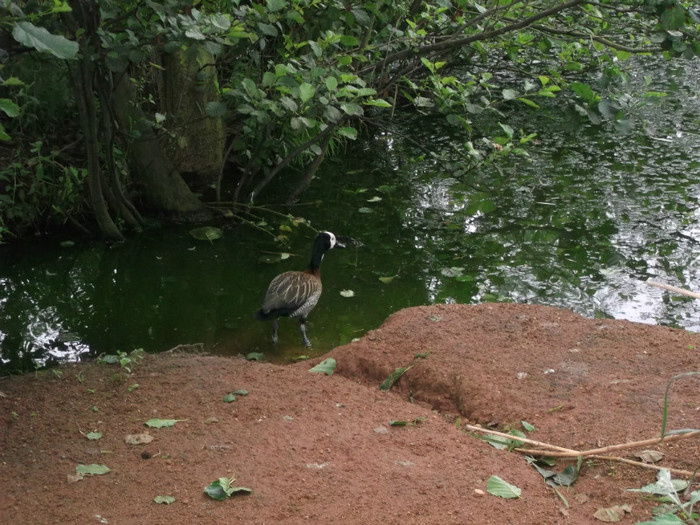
(594, 213)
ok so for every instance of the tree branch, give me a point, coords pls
(486, 35)
(285, 162)
(605, 41)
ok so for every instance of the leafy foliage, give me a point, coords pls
(299, 78)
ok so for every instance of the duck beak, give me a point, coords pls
(341, 241)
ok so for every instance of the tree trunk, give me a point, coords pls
(86, 15)
(186, 85)
(163, 187)
(87, 114)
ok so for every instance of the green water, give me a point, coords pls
(593, 214)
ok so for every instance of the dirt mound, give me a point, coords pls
(320, 449)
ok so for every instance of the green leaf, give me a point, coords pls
(164, 500)
(306, 92)
(10, 108)
(268, 29)
(255, 356)
(394, 377)
(567, 477)
(528, 102)
(92, 469)
(528, 426)
(240, 392)
(352, 109)
(229, 398)
(295, 15)
(349, 40)
(509, 94)
(3, 134)
(664, 486)
(347, 132)
(387, 279)
(663, 519)
(109, 359)
(327, 366)
(12, 81)
(216, 490)
(160, 423)
(584, 91)
(498, 487)
(276, 5)
(222, 488)
(377, 102)
(508, 130)
(347, 293)
(93, 436)
(207, 233)
(40, 39)
(331, 84)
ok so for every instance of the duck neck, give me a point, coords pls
(316, 259)
(315, 264)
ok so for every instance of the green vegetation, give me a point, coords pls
(118, 109)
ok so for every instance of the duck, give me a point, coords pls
(294, 294)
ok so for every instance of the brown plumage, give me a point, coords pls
(294, 294)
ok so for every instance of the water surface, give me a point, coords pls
(594, 213)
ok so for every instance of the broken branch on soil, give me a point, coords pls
(553, 451)
(566, 452)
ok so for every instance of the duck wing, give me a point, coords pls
(292, 294)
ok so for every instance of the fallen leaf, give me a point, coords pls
(498, 487)
(222, 489)
(164, 500)
(394, 377)
(138, 439)
(650, 456)
(93, 469)
(160, 423)
(612, 514)
(326, 366)
(207, 233)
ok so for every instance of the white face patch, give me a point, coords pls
(333, 241)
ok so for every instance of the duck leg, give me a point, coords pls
(275, 326)
(302, 329)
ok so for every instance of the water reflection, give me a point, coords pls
(593, 215)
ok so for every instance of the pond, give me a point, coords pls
(594, 213)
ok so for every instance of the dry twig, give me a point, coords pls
(554, 451)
